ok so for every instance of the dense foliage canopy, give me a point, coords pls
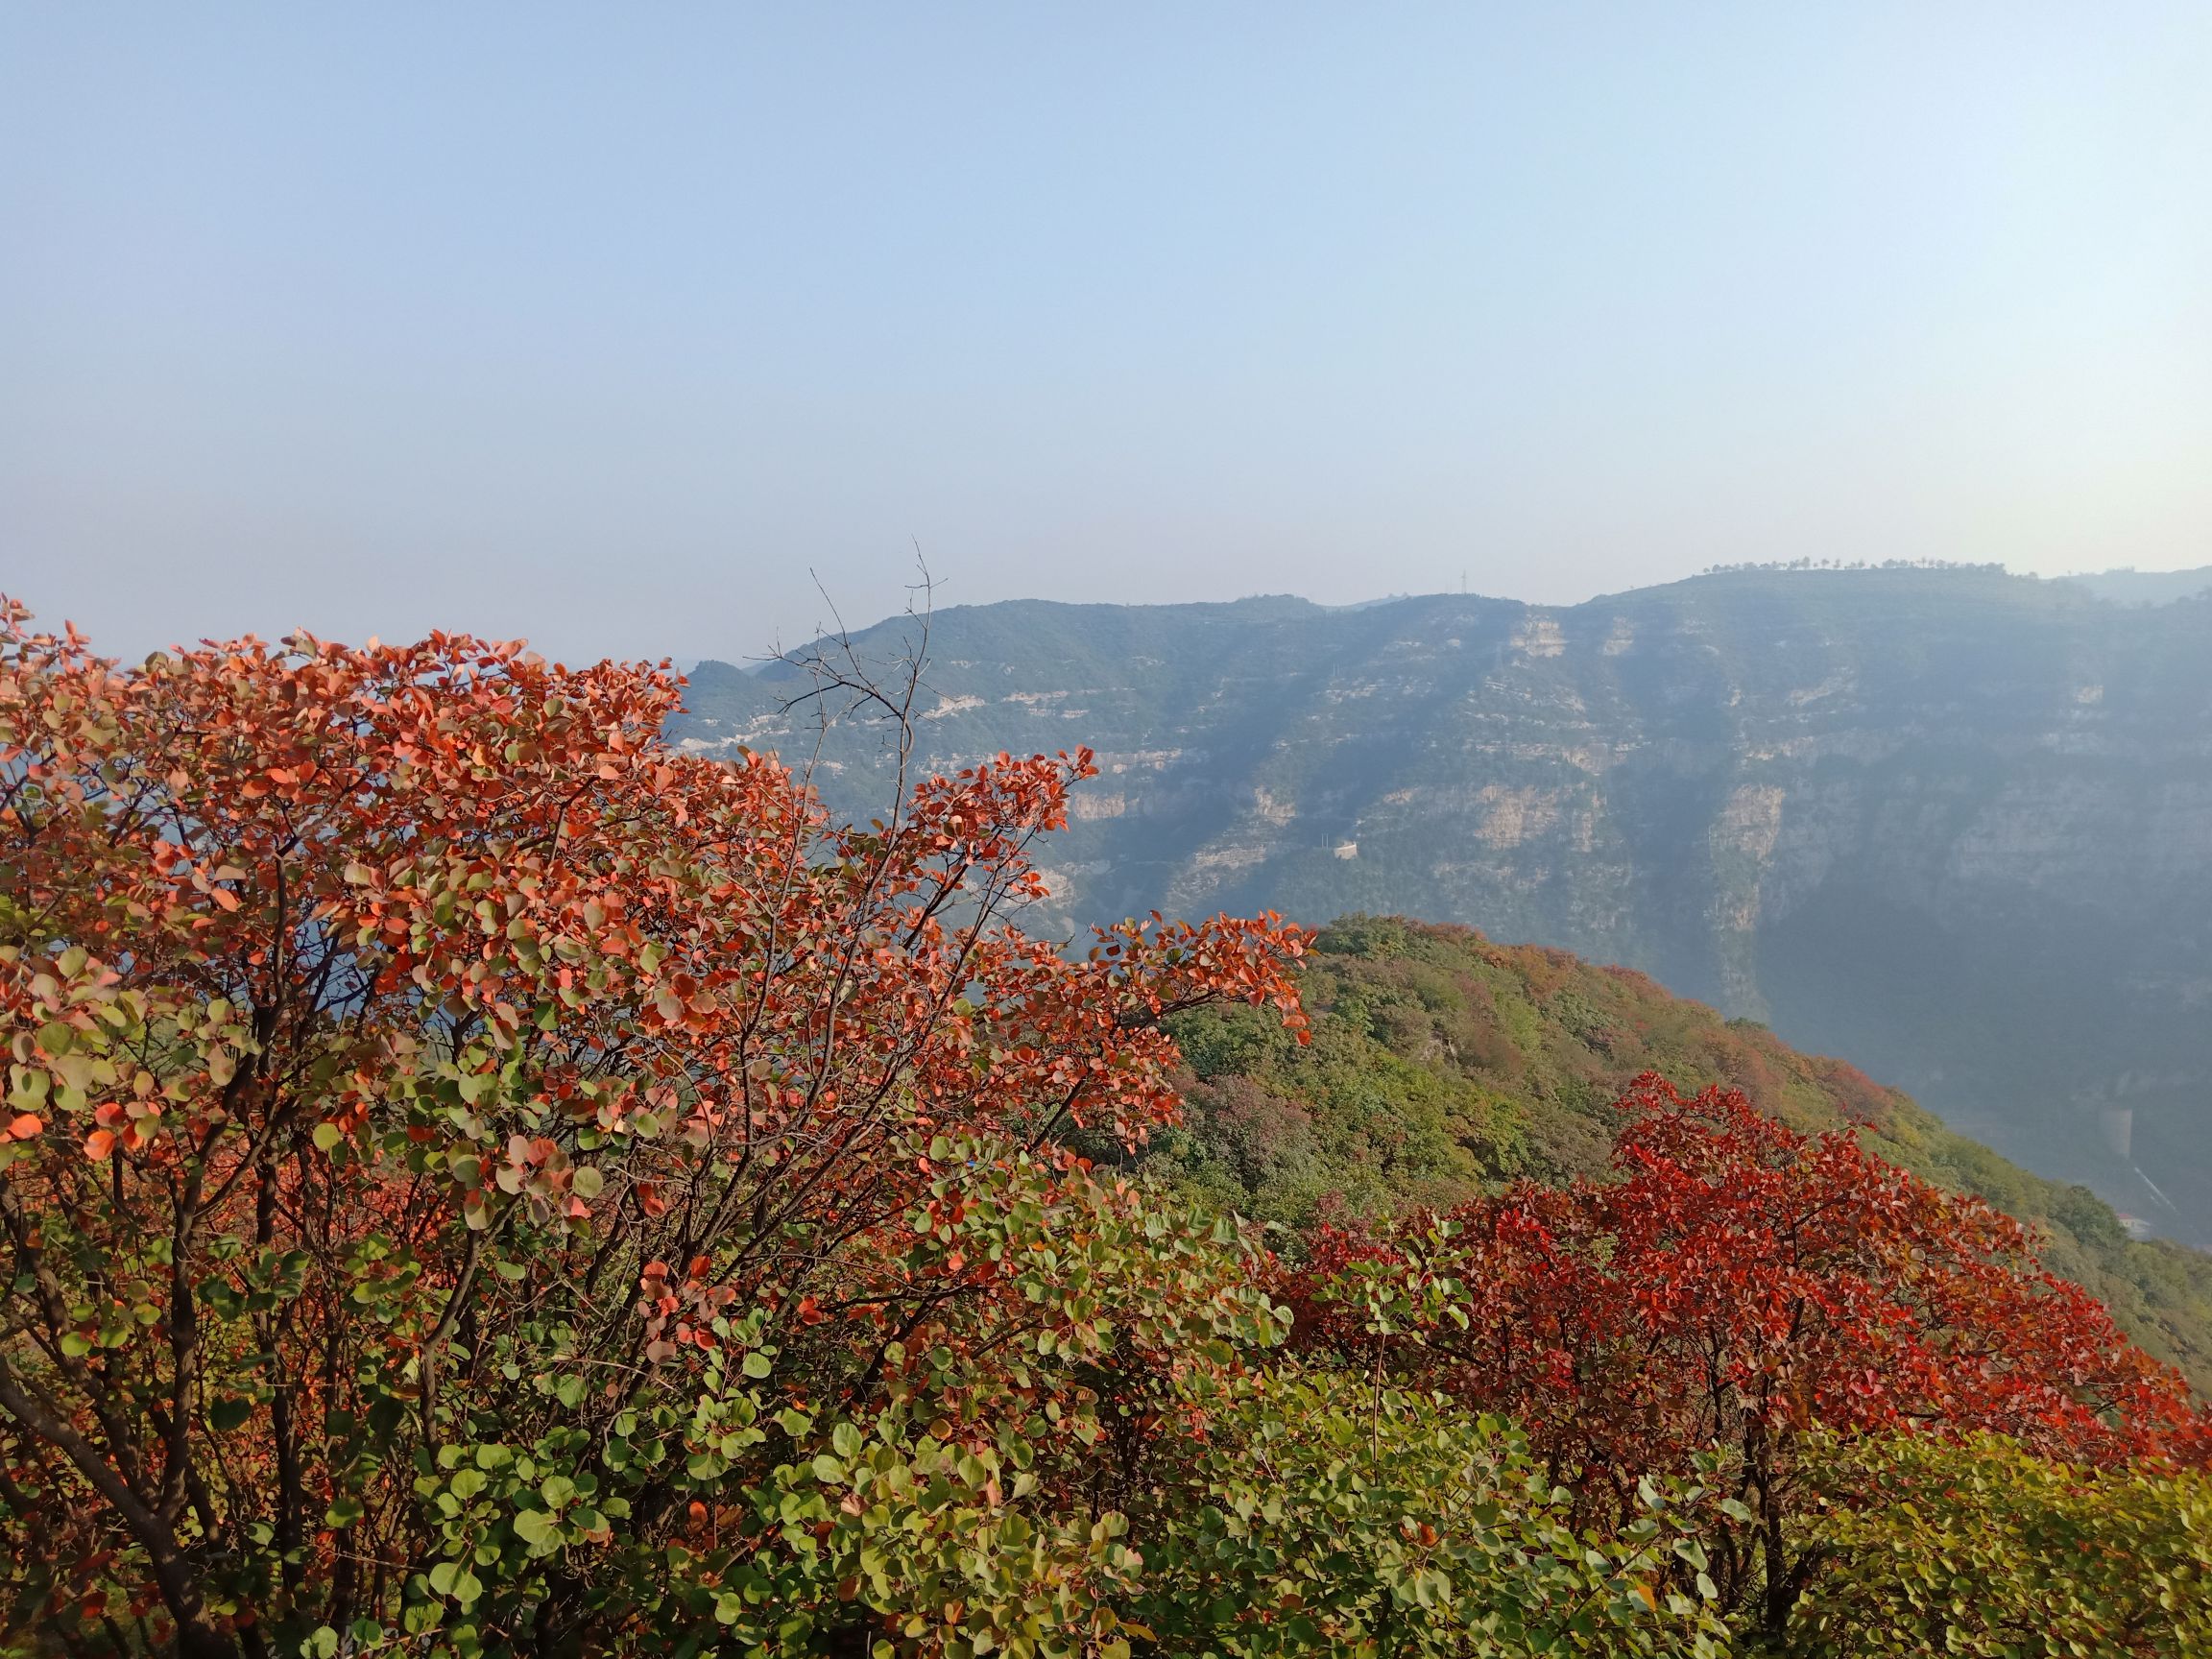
(479, 1180)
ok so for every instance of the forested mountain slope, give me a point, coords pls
(1441, 1062)
(1954, 825)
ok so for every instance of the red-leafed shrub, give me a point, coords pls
(473, 1169)
(1733, 1286)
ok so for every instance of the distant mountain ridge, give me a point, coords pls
(2145, 586)
(1954, 825)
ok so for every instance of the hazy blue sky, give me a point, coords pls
(603, 324)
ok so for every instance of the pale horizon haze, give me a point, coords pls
(618, 327)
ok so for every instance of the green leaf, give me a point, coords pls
(535, 1526)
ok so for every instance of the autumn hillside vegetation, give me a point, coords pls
(1440, 1064)
(478, 1180)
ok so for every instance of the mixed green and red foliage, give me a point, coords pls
(1442, 1063)
(479, 1180)
(1734, 1287)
